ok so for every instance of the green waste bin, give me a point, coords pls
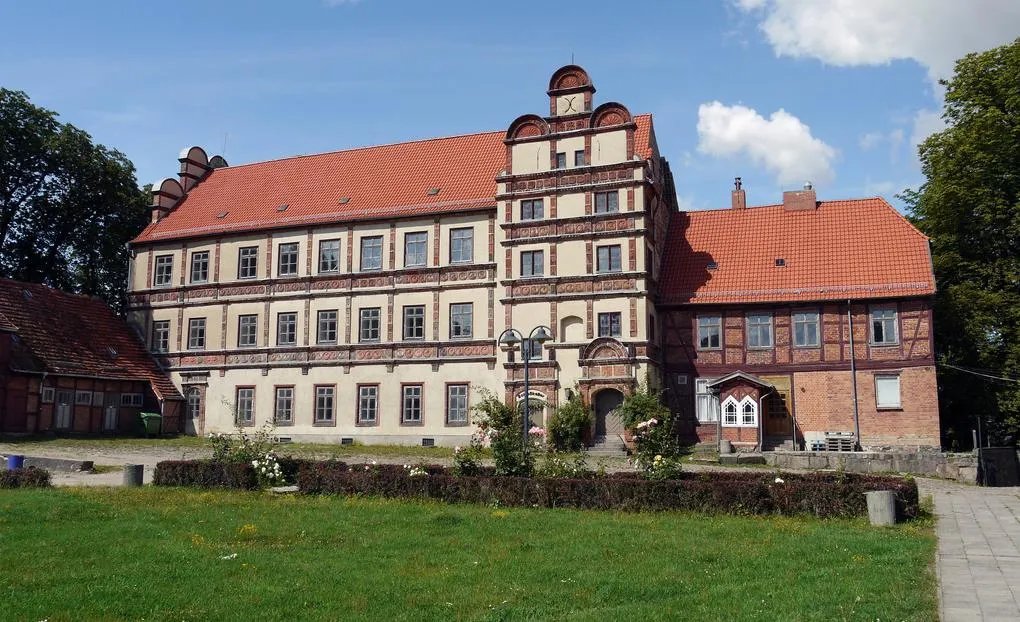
(152, 424)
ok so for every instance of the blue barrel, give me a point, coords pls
(15, 462)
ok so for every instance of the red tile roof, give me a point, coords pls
(852, 249)
(7, 325)
(67, 334)
(380, 182)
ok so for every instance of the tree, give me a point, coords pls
(970, 208)
(67, 206)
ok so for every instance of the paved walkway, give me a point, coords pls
(979, 551)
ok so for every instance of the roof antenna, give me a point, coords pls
(571, 58)
(223, 152)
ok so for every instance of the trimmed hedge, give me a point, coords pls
(25, 478)
(214, 474)
(822, 495)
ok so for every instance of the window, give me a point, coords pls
(371, 253)
(326, 332)
(561, 160)
(369, 324)
(47, 395)
(706, 402)
(288, 260)
(325, 397)
(410, 410)
(368, 404)
(740, 415)
(286, 329)
(161, 336)
(415, 247)
(329, 256)
(609, 259)
(196, 333)
(283, 411)
(579, 157)
(200, 267)
(247, 328)
(414, 322)
(462, 245)
(532, 263)
(606, 202)
(194, 403)
(730, 413)
(805, 330)
(610, 324)
(461, 320)
(759, 330)
(748, 413)
(709, 332)
(883, 327)
(131, 399)
(164, 271)
(245, 405)
(531, 350)
(887, 391)
(83, 398)
(457, 404)
(533, 209)
(248, 262)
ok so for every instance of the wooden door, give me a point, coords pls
(111, 412)
(778, 420)
(63, 409)
(607, 421)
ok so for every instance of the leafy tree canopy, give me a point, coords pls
(970, 208)
(67, 206)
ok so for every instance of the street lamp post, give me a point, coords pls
(510, 338)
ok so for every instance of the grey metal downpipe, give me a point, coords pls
(853, 373)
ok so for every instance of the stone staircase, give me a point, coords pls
(777, 444)
(609, 446)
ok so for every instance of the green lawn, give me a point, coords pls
(159, 554)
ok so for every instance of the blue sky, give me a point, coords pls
(776, 91)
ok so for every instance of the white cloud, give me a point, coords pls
(782, 144)
(926, 123)
(933, 33)
(870, 140)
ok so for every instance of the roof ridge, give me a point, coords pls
(767, 205)
(360, 148)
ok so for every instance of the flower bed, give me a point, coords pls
(219, 474)
(25, 478)
(822, 495)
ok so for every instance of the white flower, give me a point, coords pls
(779, 480)
(231, 556)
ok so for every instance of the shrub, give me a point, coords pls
(641, 405)
(568, 424)
(25, 478)
(500, 427)
(822, 495)
(468, 460)
(206, 474)
(557, 465)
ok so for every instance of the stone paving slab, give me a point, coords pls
(978, 561)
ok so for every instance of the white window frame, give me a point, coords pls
(369, 324)
(327, 322)
(291, 331)
(48, 395)
(161, 336)
(163, 271)
(248, 262)
(756, 328)
(83, 398)
(368, 404)
(284, 405)
(416, 249)
(329, 255)
(462, 245)
(325, 403)
(706, 323)
(414, 322)
(196, 333)
(292, 252)
(894, 319)
(248, 330)
(462, 320)
(706, 401)
(804, 318)
(244, 405)
(899, 392)
(457, 402)
(412, 404)
(373, 243)
(199, 267)
(131, 399)
(739, 406)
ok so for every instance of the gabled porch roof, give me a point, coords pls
(739, 375)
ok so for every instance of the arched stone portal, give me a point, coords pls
(607, 421)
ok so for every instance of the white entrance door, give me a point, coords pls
(64, 406)
(194, 411)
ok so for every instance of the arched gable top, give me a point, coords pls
(740, 404)
(166, 192)
(526, 126)
(195, 154)
(570, 78)
(604, 348)
(610, 113)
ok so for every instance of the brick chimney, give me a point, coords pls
(738, 198)
(800, 200)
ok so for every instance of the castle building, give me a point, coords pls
(361, 294)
